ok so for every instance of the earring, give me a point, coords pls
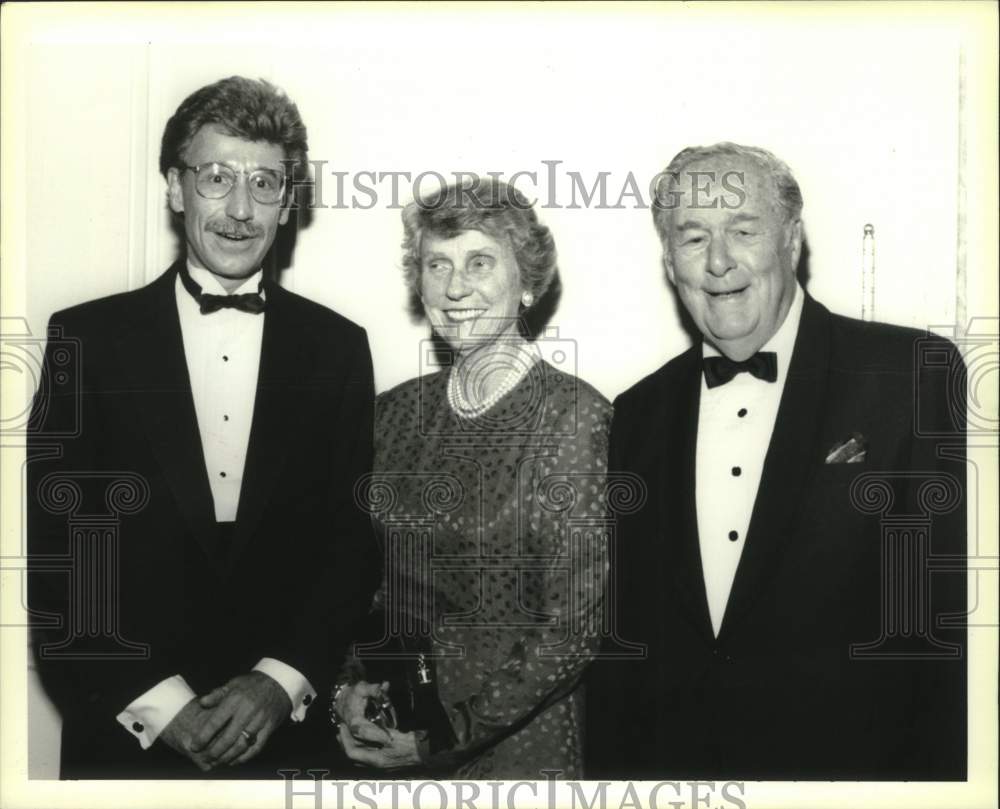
(527, 299)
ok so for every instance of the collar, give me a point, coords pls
(210, 284)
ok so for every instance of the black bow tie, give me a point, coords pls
(252, 302)
(719, 370)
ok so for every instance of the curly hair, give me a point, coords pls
(492, 207)
(789, 195)
(243, 108)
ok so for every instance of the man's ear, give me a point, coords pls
(795, 239)
(283, 215)
(175, 191)
(668, 265)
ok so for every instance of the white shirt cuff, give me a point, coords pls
(299, 691)
(146, 716)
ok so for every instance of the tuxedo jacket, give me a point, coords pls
(129, 579)
(841, 654)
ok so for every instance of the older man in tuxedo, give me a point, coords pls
(803, 470)
(236, 418)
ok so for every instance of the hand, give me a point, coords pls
(399, 751)
(252, 702)
(182, 730)
(350, 706)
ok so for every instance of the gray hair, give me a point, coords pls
(492, 207)
(788, 193)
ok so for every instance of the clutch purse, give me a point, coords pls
(405, 662)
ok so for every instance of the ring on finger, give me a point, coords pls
(250, 737)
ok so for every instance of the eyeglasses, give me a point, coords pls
(216, 180)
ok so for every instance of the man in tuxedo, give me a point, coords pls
(223, 423)
(805, 473)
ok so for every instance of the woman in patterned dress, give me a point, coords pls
(489, 490)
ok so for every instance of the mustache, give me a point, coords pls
(238, 229)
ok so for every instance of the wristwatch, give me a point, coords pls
(336, 718)
(378, 711)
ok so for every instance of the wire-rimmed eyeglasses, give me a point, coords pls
(217, 180)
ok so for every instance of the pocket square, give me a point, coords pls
(852, 450)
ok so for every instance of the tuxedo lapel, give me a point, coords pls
(286, 362)
(678, 513)
(152, 358)
(789, 463)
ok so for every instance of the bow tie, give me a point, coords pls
(720, 370)
(252, 302)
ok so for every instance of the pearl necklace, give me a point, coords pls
(464, 408)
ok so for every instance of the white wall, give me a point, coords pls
(871, 134)
(866, 114)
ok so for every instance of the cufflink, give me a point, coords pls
(138, 727)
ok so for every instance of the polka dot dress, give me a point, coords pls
(494, 531)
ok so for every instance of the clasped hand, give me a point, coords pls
(365, 742)
(231, 724)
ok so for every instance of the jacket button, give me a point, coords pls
(138, 727)
(307, 700)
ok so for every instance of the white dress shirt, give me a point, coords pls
(735, 422)
(222, 350)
